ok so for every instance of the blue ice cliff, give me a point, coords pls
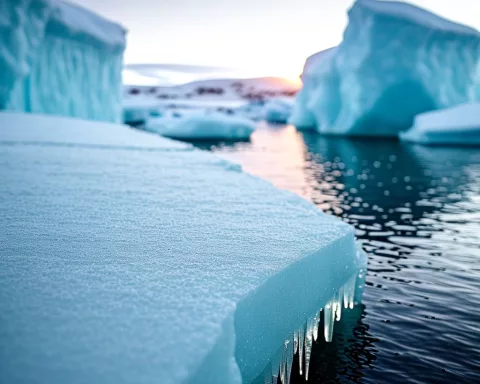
(395, 61)
(59, 58)
(458, 125)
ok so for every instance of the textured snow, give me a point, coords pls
(129, 258)
(278, 110)
(458, 125)
(395, 61)
(58, 58)
(202, 125)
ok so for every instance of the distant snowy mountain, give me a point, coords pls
(177, 74)
(217, 89)
(232, 96)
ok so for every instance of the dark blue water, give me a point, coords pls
(417, 214)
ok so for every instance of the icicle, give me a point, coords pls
(338, 304)
(295, 342)
(276, 363)
(282, 367)
(328, 316)
(349, 292)
(308, 345)
(289, 362)
(301, 344)
(268, 377)
(316, 325)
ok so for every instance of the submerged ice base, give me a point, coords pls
(395, 61)
(132, 258)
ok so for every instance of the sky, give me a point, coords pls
(258, 37)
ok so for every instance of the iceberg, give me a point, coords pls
(58, 58)
(317, 64)
(201, 126)
(127, 257)
(453, 126)
(138, 111)
(278, 110)
(395, 61)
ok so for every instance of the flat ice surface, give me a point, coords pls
(458, 125)
(395, 61)
(152, 262)
(202, 125)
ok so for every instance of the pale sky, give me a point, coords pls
(262, 37)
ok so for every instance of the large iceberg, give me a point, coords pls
(59, 58)
(457, 125)
(315, 66)
(395, 61)
(131, 258)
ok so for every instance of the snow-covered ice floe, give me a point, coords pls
(453, 126)
(127, 257)
(395, 61)
(201, 126)
(278, 110)
(59, 58)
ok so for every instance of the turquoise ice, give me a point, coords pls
(395, 61)
(201, 125)
(458, 125)
(58, 58)
(278, 110)
(130, 258)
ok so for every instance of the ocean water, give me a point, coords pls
(417, 214)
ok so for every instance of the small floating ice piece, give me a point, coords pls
(202, 126)
(459, 125)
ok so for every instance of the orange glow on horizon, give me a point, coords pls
(295, 80)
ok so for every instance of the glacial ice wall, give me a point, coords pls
(395, 61)
(58, 58)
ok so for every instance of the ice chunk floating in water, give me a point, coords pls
(127, 257)
(395, 61)
(453, 126)
(138, 111)
(58, 58)
(202, 126)
(278, 110)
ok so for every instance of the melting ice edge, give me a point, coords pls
(302, 339)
